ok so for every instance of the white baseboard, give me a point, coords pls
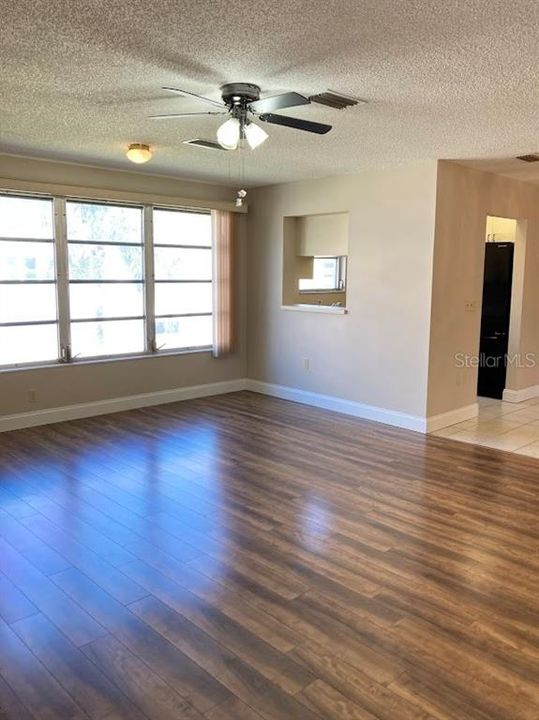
(129, 402)
(348, 407)
(328, 402)
(437, 422)
(516, 396)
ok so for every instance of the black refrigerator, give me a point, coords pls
(495, 315)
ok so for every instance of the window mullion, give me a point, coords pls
(149, 278)
(62, 278)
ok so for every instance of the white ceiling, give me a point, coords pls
(443, 78)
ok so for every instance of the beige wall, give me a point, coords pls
(31, 171)
(378, 353)
(84, 382)
(323, 234)
(464, 199)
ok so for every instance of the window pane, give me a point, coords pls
(26, 261)
(324, 275)
(25, 303)
(98, 301)
(184, 332)
(173, 227)
(29, 343)
(25, 217)
(176, 299)
(107, 338)
(103, 223)
(182, 264)
(102, 262)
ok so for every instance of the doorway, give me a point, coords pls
(505, 419)
(501, 314)
(495, 318)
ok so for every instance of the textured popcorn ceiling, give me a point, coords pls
(444, 78)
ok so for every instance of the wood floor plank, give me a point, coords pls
(233, 710)
(81, 530)
(188, 678)
(11, 503)
(15, 711)
(231, 603)
(34, 685)
(331, 704)
(238, 676)
(14, 605)
(378, 700)
(45, 595)
(91, 689)
(151, 694)
(229, 633)
(81, 557)
(40, 554)
(240, 557)
(513, 694)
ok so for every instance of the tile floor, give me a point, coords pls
(505, 426)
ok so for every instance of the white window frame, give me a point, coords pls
(340, 276)
(66, 354)
(47, 241)
(61, 282)
(153, 345)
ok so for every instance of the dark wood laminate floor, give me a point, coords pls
(245, 558)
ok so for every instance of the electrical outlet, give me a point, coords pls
(306, 364)
(31, 396)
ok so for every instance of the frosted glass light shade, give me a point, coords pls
(255, 135)
(228, 134)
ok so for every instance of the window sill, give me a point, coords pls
(101, 360)
(324, 309)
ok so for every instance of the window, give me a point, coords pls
(183, 278)
(329, 274)
(106, 298)
(85, 279)
(28, 315)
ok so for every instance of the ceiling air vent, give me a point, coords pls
(335, 100)
(528, 158)
(208, 144)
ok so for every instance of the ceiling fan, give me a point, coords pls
(242, 102)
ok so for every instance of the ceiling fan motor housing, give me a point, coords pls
(239, 93)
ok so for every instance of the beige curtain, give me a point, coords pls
(223, 285)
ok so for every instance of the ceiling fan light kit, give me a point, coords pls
(139, 153)
(254, 135)
(229, 133)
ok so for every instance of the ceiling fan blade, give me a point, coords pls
(297, 123)
(206, 144)
(167, 116)
(278, 102)
(192, 94)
